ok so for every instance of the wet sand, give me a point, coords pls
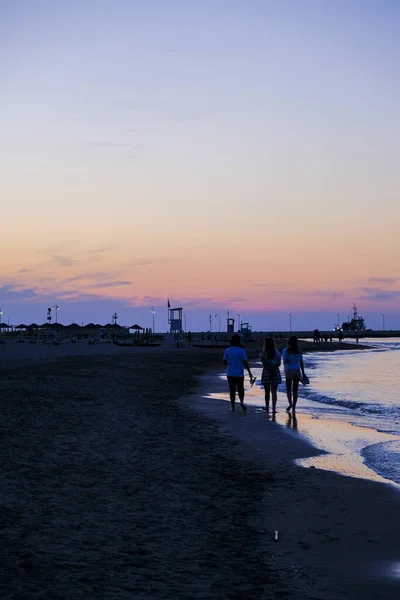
(338, 535)
(121, 479)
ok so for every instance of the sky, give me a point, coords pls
(225, 154)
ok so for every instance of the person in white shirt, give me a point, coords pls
(293, 364)
(235, 361)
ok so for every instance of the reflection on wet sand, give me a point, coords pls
(291, 421)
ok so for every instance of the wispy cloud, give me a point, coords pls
(9, 293)
(383, 280)
(102, 249)
(109, 284)
(380, 295)
(326, 294)
(92, 276)
(63, 261)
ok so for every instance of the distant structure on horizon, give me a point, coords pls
(175, 319)
(356, 323)
(230, 325)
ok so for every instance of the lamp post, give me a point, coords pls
(184, 321)
(210, 319)
(290, 321)
(56, 307)
(152, 310)
(239, 326)
(1, 316)
(219, 322)
(338, 320)
(383, 321)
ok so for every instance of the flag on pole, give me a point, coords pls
(169, 306)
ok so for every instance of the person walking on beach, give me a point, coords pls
(271, 375)
(294, 370)
(235, 361)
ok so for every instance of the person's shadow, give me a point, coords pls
(291, 422)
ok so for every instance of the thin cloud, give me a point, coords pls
(380, 295)
(262, 284)
(108, 284)
(63, 260)
(9, 293)
(383, 280)
(96, 276)
(141, 262)
(326, 294)
(102, 249)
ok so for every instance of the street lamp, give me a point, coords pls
(1, 315)
(290, 322)
(219, 322)
(153, 311)
(210, 319)
(56, 307)
(184, 321)
(239, 326)
(338, 320)
(383, 321)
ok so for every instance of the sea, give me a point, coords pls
(351, 410)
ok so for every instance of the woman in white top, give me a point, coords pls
(294, 370)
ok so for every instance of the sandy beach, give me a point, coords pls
(124, 475)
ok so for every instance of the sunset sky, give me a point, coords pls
(225, 154)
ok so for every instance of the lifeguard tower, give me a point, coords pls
(175, 320)
(230, 326)
(246, 330)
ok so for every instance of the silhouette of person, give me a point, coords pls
(271, 375)
(294, 370)
(235, 361)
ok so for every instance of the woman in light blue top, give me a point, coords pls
(294, 370)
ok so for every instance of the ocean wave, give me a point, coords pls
(364, 407)
(383, 458)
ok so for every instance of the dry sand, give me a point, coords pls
(116, 485)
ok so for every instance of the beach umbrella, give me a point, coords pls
(73, 326)
(91, 326)
(21, 326)
(33, 326)
(4, 326)
(137, 327)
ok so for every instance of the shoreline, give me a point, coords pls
(337, 543)
(121, 485)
